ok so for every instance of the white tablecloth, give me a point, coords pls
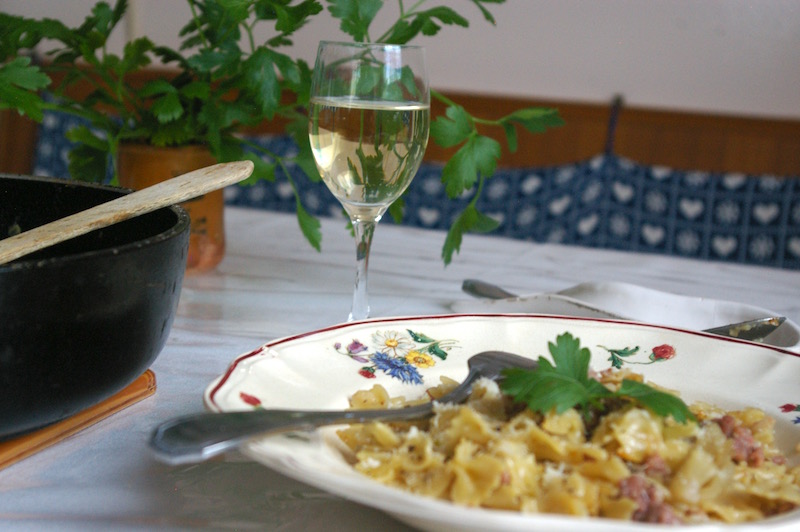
(273, 284)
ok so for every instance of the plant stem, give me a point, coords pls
(403, 15)
(196, 19)
(450, 103)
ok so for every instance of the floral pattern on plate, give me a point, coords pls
(792, 408)
(399, 354)
(619, 357)
(403, 355)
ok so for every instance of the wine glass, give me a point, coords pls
(369, 122)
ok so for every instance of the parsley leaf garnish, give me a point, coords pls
(566, 384)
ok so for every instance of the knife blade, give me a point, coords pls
(753, 330)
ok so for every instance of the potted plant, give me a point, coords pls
(220, 81)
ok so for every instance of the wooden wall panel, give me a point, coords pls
(681, 140)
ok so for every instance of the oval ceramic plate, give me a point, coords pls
(321, 369)
(629, 301)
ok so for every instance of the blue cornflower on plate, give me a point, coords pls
(397, 367)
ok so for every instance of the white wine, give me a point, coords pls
(367, 152)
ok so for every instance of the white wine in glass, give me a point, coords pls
(369, 123)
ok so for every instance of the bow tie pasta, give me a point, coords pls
(627, 464)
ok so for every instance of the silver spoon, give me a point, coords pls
(478, 288)
(197, 437)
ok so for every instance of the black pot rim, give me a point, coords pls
(181, 225)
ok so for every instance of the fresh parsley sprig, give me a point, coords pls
(476, 159)
(566, 384)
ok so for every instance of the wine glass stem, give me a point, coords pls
(363, 230)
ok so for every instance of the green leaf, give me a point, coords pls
(292, 18)
(559, 386)
(486, 14)
(84, 135)
(167, 108)
(174, 133)
(134, 56)
(18, 81)
(445, 15)
(520, 383)
(511, 136)
(570, 358)
(168, 55)
(534, 119)
(19, 72)
(548, 390)
(660, 403)
(157, 87)
(392, 92)
(88, 164)
(372, 169)
(397, 210)
(483, 223)
(199, 90)
(409, 81)
(288, 68)
(470, 219)
(426, 22)
(478, 156)
(205, 61)
(452, 129)
(566, 384)
(104, 19)
(355, 16)
(452, 242)
(367, 77)
(401, 33)
(309, 226)
(262, 81)
(302, 87)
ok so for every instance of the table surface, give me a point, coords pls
(273, 284)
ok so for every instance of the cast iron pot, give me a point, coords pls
(81, 320)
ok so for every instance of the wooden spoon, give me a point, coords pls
(169, 192)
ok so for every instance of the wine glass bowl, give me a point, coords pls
(369, 123)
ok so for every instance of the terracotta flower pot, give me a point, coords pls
(142, 165)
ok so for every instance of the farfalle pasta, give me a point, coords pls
(629, 464)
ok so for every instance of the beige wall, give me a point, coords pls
(727, 56)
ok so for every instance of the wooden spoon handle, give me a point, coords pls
(169, 192)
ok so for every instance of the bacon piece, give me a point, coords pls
(745, 446)
(651, 507)
(655, 466)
